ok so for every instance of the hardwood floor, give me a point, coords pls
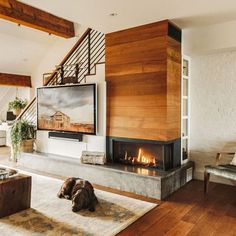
(186, 212)
(189, 212)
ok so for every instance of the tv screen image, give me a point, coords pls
(67, 108)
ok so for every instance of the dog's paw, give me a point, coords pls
(59, 195)
(74, 209)
(92, 209)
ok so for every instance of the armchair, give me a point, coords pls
(227, 171)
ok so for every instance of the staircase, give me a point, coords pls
(77, 65)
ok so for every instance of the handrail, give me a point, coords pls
(68, 55)
(90, 51)
(25, 109)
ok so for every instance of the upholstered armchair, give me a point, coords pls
(227, 171)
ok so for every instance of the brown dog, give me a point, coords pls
(81, 193)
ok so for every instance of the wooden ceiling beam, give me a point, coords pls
(24, 14)
(15, 80)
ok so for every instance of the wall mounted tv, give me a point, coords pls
(67, 108)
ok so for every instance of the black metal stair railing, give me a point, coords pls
(29, 113)
(78, 63)
(83, 60)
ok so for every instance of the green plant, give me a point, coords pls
(21, 130)
(18, 103)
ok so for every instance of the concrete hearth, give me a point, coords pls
(147, 182)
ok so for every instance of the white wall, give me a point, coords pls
(53, 57)
(210, 39)
(213, 96)
(22, 47)
(213, 107)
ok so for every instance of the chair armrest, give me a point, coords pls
(219, 154)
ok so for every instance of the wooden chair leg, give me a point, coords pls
(206, 181)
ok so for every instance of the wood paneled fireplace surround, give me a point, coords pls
(143, 75)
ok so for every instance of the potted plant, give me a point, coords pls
(17, 105)
(22, 137)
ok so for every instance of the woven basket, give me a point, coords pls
(27, 145)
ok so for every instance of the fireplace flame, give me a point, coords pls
(143, 158)
(147, 160)
(126, 156)
(139, 155)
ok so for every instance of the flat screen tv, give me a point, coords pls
(67, 108)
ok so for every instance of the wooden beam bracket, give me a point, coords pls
(24, 14)
(15, 80)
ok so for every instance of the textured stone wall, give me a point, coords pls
(213, 108)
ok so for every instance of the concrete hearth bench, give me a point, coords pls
(150, 183)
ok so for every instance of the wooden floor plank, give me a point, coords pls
(192, 213)
(225, 226)
(207, 225)
(180, 229)
(146, 222)
(162, 226)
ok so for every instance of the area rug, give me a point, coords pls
(53, 217)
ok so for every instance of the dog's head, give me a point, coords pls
(66, 188)
(80, 200)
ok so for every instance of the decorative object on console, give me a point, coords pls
(98, 158)
(17, 105)
(22, 138)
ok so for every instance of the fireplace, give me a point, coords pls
(144, 153)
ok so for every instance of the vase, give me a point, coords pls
(27, 145)
(17, 111)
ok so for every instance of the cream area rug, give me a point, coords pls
(52, 216)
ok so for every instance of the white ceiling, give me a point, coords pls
(22, 48)
(95, 13)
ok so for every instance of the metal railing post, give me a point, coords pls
(89, 53)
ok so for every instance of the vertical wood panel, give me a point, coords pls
(173, 88)
(142, 83)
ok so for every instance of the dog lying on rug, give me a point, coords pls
(81, 193)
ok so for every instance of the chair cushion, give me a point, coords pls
(226, 171)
